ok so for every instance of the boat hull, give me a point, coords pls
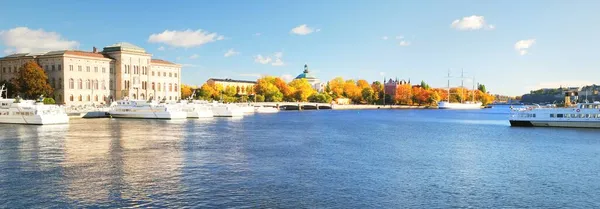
(36, 119)
(149, 115)
(459, 106)
(200, 114)
(561, 124)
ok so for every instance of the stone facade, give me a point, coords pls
(120, 71)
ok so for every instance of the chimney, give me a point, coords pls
(94, 50)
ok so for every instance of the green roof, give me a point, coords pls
(124, 46)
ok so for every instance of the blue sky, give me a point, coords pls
(558, 39)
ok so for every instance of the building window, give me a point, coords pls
(71, 84)
(87, 84)
(96, 98)
(96, 84)
(79, 68)
(80, 85)
(103, 70)
(175, 75)
(53, 68)
(53, 82)
(158, 86)
(111, 70)
(152, 73)
(71, 97)
(176, 88)
(60, 83)
(88, 98)
(153, 86)
(95, 69)
(170, 75)
(59, 67)
(4, 69)
(70, 67)
(103, 85)
(110, 85)
(164, 74)
(80, 98)
(87, 69)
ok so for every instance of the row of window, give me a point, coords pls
(10, 70)
(575, 115)
(87, 68)
(18, 113)
(590, 106)
(53, 67)
(89, 84)
(88, 98)
(155, 86)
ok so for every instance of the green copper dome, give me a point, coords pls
(306, 74)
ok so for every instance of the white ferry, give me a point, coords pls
(197, 109)
(19, 111)
(145, 110)
(227, 110)
(246, 108)
(266, 109)
(583, 115)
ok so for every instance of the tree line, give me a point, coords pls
(275, 89)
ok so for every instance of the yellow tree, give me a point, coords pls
(266, 88)
(186, 91)
(337, 87)
(352, 91)
(403, 94)
(32, 81)
(362, 84)
(302, 88)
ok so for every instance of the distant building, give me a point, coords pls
(120, 71)
(312, 80)
(390, 86)
(242, 87)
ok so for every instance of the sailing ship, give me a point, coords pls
(463, 105)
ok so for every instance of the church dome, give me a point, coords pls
(306, 74)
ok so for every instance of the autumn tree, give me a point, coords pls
(320, 98)
(337, 87)
(266, 88)
(434, 97)
(378, 91)
(368, 95)
(302, 89)
(403, 94)
(362, 84)
(186, 91)
(420, 95)
(32, 81)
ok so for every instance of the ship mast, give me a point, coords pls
(448, 85)
(462, 83)
(473, 91)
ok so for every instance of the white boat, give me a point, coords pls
(463, 105)
(145, 110)
(246, 108)
(226, 110)
(460, 106)
(197, 109)
(266, 109)
(17, 111)
(583, 115)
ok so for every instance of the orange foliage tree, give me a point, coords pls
(32, 81)
(403, 94)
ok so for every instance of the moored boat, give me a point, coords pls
(583, 115)
(145, 110)
(17, 111)
(226, 110)
(197, 109)
(266, 109)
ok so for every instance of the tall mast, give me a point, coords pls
(448, 85)
(462, 83)
(473, 90)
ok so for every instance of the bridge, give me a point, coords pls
(297, 105)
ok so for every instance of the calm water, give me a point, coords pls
(310, 159)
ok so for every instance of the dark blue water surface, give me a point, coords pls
(309, 159)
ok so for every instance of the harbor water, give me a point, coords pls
(301, 159)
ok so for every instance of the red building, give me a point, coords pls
(390, 86)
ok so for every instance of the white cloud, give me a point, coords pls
(404, 43)
(303, 30)
(230, 53)
(24, 40)
(194, 56)
(523, 45)
(473, 22)
(187, 38)
(257, 34)
(161, 48)
(385, 38)
(8, 51)
(262, 60)
(275, 60)
(287, 77)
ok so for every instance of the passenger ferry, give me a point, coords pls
(145, 110)
(32, 112)
(227, 110)
(583, 115)
(266, 109)
(197, 109)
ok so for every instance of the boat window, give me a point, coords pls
(551, 115)
(534, 115)
(559, 115)
(588, 116)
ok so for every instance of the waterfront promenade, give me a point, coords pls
(313, 105)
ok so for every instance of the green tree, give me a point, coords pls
(32, 81)
(230, 91)
(481, 88)
(424, 85)
(259, 98)
(49, 101)
(320, 98)
(368, 95)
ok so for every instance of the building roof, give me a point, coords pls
(159, 61)
(60, 52)
(124, 46)
(232, 80)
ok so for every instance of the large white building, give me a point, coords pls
(120, 71)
